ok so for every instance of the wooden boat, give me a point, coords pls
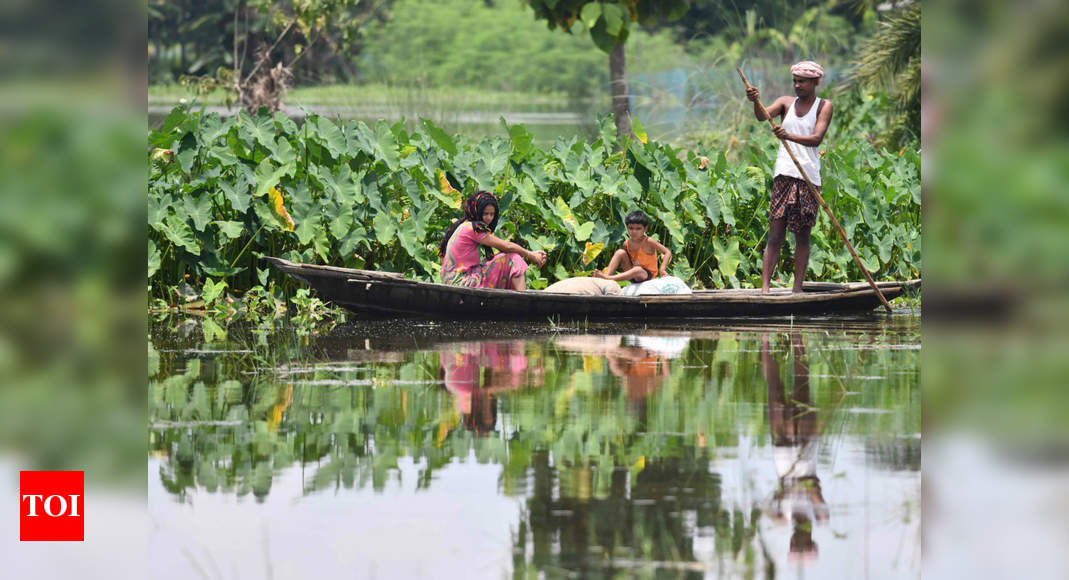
(389, 294)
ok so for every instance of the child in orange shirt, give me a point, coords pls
(638, 258)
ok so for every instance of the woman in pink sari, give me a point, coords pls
(463, 264)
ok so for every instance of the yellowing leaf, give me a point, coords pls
(448, 189)
(280, 209)
(638, 130)
(565, 212)
(592, 251)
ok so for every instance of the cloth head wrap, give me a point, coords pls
(473, 212)
(807, 69)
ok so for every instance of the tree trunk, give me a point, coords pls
(621, 100)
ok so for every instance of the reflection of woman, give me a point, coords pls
(795, 432)
(474, 371)
(462, 264)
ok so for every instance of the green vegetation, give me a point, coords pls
(224, 192)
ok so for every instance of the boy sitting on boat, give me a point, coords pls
(638, 262)
(638, 258)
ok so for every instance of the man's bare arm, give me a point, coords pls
(776, 109)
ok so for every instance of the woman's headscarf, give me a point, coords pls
(473, 212)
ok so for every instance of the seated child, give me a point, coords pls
(638, 258)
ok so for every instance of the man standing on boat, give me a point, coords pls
(804, 120)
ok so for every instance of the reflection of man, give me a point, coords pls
(795, 432)
(473, 371)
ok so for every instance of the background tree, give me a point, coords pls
(891, 60)
(609, 24)
(251, 47)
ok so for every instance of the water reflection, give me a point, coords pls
(686, 452)
(794, 424)
(474, 371)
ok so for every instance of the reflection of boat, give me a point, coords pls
(385, 293)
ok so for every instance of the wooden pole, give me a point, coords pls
(816, 196)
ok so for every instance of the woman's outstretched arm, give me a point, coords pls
(538, 258)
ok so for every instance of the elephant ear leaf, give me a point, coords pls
(727, 257)
(279, 209)
(592, 251)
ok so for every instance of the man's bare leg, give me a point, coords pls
(801, 258)
(777, 230)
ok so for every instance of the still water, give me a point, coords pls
(399, 449)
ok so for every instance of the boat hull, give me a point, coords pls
(386, 294)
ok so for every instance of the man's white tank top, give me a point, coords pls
(808, 157)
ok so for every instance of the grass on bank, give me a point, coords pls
(372, 94)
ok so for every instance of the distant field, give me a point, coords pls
(368, 95)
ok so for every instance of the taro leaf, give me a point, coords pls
(212, 290)
(870, 208)
(331, 136)
(386, 145)
(163, 136)
(727, 257)
(496, 156)
(212, 128)
(158, 209)
(696, 218)
(525, 191)
(582, 233)
(440, 137)
(675, 229)
(560, 272)
(869, 260)
(521, 139)
(199, 210)
(230, 229)
(285, 154)
(721, 164)
(239, 198)
(592, 251)
(638, 130)
(185, 159)
(261, 128)
(408, 235)
(178, 231)
(349, 244)
(564, 212)
(307, 230)
(268, 175)
(886, 247)
(262, 275)
(154, 258)
(322, 244)
(385, 227)
(211, 265)
(278, 209)
(537, 173)
(342, 224)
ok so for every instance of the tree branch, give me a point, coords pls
(272, 48)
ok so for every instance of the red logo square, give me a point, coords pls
(52, 506)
